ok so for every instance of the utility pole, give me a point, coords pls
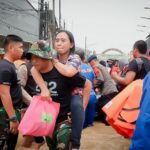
(41, 11)
(59, 14)
(46, 21)
(64, 25)
(54, 23)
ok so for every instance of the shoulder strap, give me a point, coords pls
(145, 62)
(139, 62)
(29, 66)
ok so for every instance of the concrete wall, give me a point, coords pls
(19, 17)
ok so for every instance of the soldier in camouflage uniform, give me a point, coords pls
(10, 93)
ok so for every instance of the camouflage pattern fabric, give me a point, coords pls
(62, 136)
(2, 52)
(40, 49)
(4, 123)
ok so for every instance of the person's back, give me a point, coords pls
(104, 84)
(137, 68)
(90, 113)
(141, 66)
(109, 85)
(88, 72)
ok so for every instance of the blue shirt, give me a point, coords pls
(141, 136)
(88, 72)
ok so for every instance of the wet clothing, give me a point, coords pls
(8, 76)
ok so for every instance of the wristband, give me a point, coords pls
(13, 119)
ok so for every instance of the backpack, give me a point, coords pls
(141, 61)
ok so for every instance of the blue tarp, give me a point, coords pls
(141, 136)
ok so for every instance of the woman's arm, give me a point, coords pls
(23, 75)
(64, 69)
(40, 82)
(86, 93)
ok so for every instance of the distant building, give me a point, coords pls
(112, 53)
(29, 19)
(19, 17)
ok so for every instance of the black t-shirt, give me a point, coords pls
(30, 85)
(8, 76)
(140, 74)
(61, 88)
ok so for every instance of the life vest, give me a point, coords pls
(122, 111)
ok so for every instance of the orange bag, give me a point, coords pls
(122, 111)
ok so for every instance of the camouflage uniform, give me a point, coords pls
(4, 125)
(40, 49)
(2, 52)
(61, 137)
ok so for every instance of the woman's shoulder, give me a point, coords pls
(73, 56)
(74, 60)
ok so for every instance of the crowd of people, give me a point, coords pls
(81, 87)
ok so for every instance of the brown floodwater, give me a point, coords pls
(97, 137)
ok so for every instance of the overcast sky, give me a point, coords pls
(106, 23)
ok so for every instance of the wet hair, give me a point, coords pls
(24, 55)
(141, 46)
(71, 38)
(92, 57)
(102, 62)
(81, 54)
(11, 38)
